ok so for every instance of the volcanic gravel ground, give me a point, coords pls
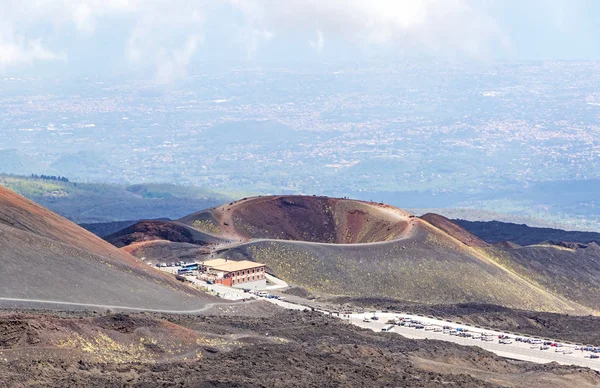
(285, 349)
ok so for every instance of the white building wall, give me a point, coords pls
(254, 285)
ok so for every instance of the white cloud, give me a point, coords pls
(168, 34)
(173, 65)
(164, 33)
(25, 53)
(319, 43)
(438, 26)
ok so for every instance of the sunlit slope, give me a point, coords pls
(44, 256)
(428, 267)
(346, 247)
(303, 218)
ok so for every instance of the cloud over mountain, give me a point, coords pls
(166, 36)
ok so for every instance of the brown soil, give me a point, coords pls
(453, 230)
(283, 349)
(304, 218)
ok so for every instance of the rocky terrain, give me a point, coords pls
(276, 349)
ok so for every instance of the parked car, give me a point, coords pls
(505, 341)
(366, 319)
(387, 328)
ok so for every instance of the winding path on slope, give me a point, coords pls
(108, 307)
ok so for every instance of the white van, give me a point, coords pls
(388, 328)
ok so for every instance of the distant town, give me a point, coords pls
(336, 129)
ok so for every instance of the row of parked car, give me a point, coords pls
(173, 264)
(485, 336)
(263, 294)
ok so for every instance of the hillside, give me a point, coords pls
(301, 218)
(46, 257)
(521, 234)
(159, 230)
(103, 229)
(355, 248)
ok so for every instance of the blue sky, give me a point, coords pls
(166, 38)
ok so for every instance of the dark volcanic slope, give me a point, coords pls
(159, 230)
(495, 232)
(44, 256)
(103, 229)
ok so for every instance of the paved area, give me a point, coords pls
(517, 350)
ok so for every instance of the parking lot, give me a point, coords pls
(420, 327)
(563, 354)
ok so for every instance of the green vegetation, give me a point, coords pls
(208, 226)
(99, 202)
(167, 190)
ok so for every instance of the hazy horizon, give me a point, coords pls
(166, 40)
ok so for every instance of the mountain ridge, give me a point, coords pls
(319, 243)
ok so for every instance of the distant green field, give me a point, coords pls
(99, 202)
